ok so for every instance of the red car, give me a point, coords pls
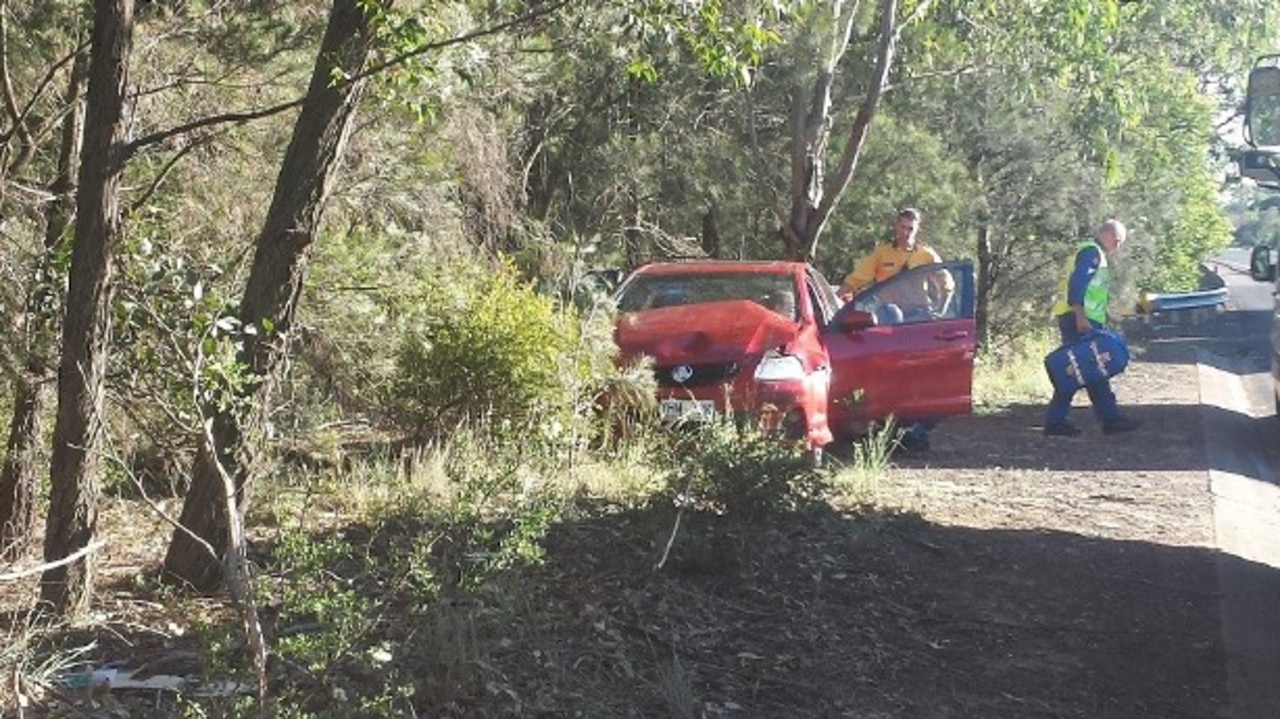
(772, 340)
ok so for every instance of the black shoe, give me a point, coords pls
(1061, 429)
(1121, 424)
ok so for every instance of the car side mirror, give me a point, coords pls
(857, 320)
(1262, 106)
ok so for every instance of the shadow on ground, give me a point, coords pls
(825, 614)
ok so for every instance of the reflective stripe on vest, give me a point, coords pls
(1095, 295)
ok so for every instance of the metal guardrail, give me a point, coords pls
(1155, 303)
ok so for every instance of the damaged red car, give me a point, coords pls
(771, 341)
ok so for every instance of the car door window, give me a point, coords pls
(921, 294)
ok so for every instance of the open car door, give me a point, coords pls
(904, 347)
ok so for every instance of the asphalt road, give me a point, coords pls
(1242, 438)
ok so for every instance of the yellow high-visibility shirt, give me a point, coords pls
(885, 262)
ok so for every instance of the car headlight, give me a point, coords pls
(776, 366)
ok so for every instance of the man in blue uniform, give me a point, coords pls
(1082, 306)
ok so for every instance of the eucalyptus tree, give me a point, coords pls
(73, 512)
(42, 76)
(362, 40)
(813, 196)
(1086, 109)
(223, 463)
(624, 141)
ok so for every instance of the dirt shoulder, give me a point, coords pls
(1085, 578)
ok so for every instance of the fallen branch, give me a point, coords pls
(20, 573)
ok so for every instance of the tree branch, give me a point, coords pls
(39, 568)
(408, 55)
(240, 118)
(858, 131)
(164, 172)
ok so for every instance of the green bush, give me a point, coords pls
(485, 347)
(742, 472)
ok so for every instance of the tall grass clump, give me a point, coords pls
(1012, 371)
(870, 456)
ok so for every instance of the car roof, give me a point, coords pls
(714, 266)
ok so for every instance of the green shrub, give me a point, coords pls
(485, 347)
(742, 472)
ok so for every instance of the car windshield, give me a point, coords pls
(651, 291)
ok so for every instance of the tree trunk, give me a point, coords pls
(711, 232)
(632, 238)
(17, 482)
(812, 199)
(36, 326)
(271, 295)
(986, 263)
(86, 329)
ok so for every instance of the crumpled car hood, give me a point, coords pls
(709, 332)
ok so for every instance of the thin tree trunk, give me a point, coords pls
(632, 238)
(812, 197)
(86, 332)
(986, 260)
(270, 299)
(857, 131)
(17, 481)
(711, 232)
(18, 475)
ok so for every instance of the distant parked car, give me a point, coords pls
(771, 341)
(1262, 263)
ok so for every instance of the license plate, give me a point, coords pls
(687, 410)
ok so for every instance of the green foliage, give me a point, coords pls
(1258, 227)
(483, 346)
(736, 470)
(488, 473)
(372, 619)
(1198, 231)
(892, 178)
(176, 347)
(330, 623)
(726, 39)
(1011, 370)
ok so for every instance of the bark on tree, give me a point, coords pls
(36, 327)
(986, 264)
(18, 478)
(812, 198)
(86, 329)
(711, 232)
(271, 296)
(632, 237)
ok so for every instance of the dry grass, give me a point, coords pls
(1012, 373)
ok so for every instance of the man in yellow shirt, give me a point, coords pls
(890, 258)
(932, 297)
